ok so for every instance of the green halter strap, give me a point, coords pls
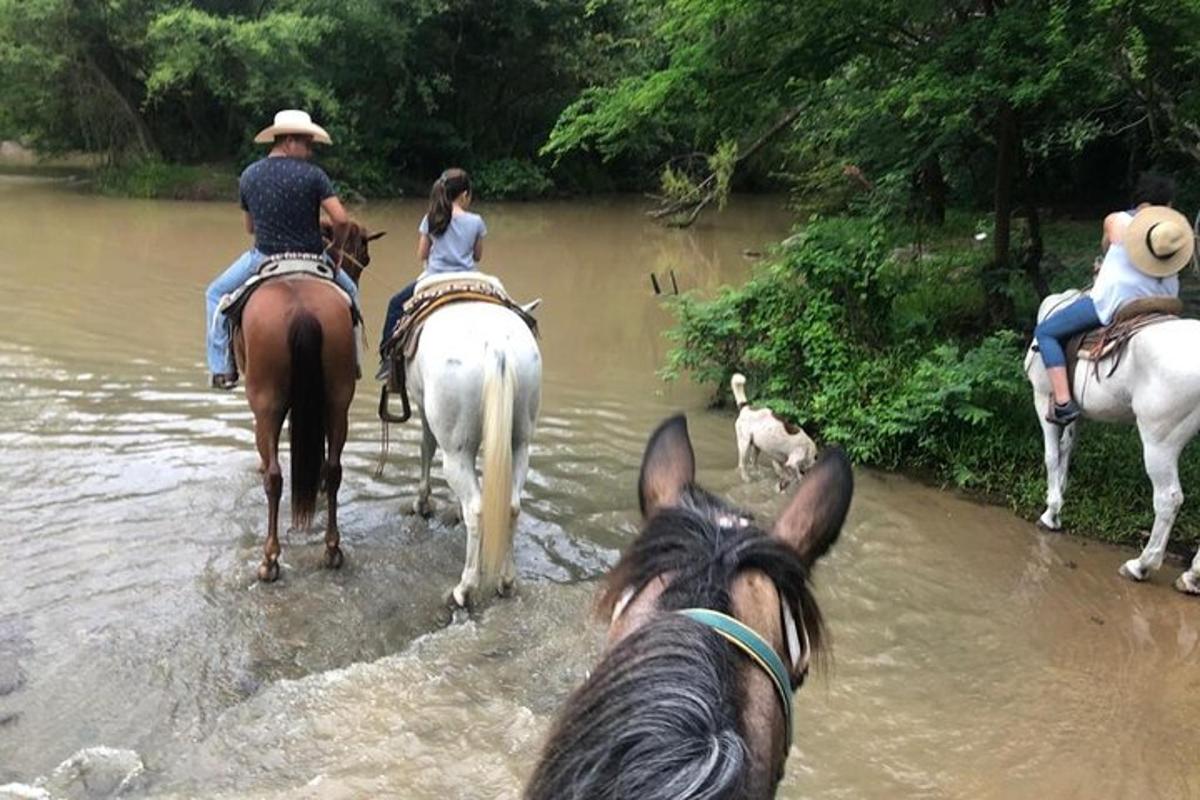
(756, 647)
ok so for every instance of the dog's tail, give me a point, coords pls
(738, 384)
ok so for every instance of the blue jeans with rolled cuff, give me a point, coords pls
(1052, 332)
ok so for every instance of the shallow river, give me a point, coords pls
(973, 656)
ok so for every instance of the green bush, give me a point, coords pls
(845, 334)
(511, 179)
(160, 180)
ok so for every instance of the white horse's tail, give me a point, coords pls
(499, 390)
(738, 384)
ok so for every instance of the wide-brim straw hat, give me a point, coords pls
(296, 123)
(1159, 241)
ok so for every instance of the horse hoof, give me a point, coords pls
(422, 508)
(460, 597)
(506, 587)
(1049, 524)
(1188, 583)
(333, 558)
(268, 572)
(1132, 570)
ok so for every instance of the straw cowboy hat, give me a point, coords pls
(1159, 241)
(294, 122)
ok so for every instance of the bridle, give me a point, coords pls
(343, 255)
(750, 641)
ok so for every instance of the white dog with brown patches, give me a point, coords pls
(791, 452)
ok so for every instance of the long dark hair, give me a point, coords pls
(450, 185)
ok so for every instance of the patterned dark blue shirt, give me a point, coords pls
(283, 196)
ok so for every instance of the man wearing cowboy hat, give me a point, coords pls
(282, 196)
(1148, 246)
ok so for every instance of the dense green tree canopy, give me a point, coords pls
(405, 86)
(995, 103)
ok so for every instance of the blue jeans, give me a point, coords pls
(395, 309)
(220, 358)
(1054, 330)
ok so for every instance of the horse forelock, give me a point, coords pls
(656, 720)
(704, 543)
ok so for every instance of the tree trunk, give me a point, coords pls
(933, 183)
(1007, 149)
(1032, 260)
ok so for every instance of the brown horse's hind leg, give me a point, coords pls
(266, 435)
(337, 425)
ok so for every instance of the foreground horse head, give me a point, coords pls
(687, 704)
(1154, 383)
(296, 347)
(352, 253)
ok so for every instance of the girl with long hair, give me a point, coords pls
(451, 238)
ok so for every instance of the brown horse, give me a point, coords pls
(295, 345)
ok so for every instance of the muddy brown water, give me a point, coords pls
(973, 656)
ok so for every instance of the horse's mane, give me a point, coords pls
(659, 718)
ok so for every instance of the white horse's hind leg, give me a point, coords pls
(1189, 582)
(743, 447)
(421, 505)
(1162, 465)
(508, 573)
(460, 474)
(1058, 443)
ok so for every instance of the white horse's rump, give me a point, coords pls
(476, 379)
(1156, 386)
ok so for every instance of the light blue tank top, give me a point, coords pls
(1120, 281)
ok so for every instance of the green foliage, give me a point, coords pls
(405, 87)
(156, 179)
(511, 179)
(879, 351)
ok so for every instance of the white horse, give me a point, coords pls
(476, 379)
(1156, 386)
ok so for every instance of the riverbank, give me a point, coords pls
(887, 347)
(151, 179)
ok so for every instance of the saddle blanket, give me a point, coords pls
(432, 293)
(282, 266)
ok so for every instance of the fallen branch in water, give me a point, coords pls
(684, 200)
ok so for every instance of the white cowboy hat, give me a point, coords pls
(295, 122)
(1159, 241)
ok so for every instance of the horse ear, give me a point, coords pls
(375, 236)
(813, 518)
(668, 466)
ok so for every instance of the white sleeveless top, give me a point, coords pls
(1120, 281)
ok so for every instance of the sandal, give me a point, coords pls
(224, 381)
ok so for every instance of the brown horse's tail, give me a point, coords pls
(307, 415)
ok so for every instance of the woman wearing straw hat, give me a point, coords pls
(282, 196)
(1148, 246)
